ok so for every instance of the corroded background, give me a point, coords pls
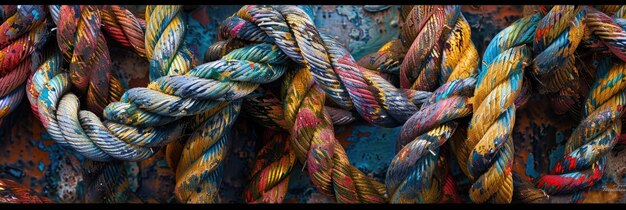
(30, 157)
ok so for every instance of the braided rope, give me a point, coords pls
(125, 28)
(332, 67)
(271, 170)
(584, 160)
(209, 96)
(84, 46)
(410, 175)
(488, 151)
(138, 122)
(323, 69)
(557, 36)
(265, 107)
(606, 32)
(23, 31)
(313, 141)
(12, 192)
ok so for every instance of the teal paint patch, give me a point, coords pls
(558, 152)
(361, 31)
(41, 166)
(371, 148)
(36, 14)
(530, 166)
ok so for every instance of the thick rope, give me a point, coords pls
(12, 192)
(604, 32)
(255, 47)
(83, 44)
(124, 28)
(333, 68)
(268, 111)
(327, 62)
(586, 149)
(557, 37)
(270, 173)
(312, 138)
(23, 31)
(410, 176)
(488, 151)
(138, 122)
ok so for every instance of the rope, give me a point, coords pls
(124, 28)
(312, 138)
(584, 160)
(488, 151)
(138, 122)
(23, 31)
(12, 192)
(422, 67)
(331, 66)
(84, 46)
(260, 43)
(271, 170)
(557, 36)
(267, 183)
(410, 176)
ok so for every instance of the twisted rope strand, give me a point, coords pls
(313, 141)
(84, 46)
(411, 175)
(22, 32)
(271, 170)
(499, 83)
(125, 28)
(557, 36)
(584, 160)
(331, 65)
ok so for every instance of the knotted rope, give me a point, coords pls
(424, 67)
(23, 31)
(329, 64)
(82, 43)
(257, 46)
(338, 74)
(585, 151)
(410, 176)
(267, 184)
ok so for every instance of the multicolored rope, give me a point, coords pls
(312, 138)
(125, 28)
(270, 174)
(488, 151)
(411, 174)
(345, 82)
(138, 122)
(556, 39)
(23, 31)
(268, 110)
(326, 59)
(83, 44)
(12, 192)
(586, 149)
(425, 33)
(604, 32)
